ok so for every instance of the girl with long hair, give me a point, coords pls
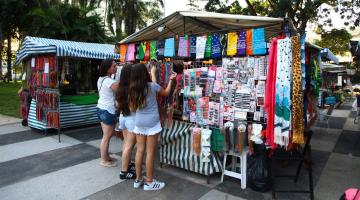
(143, 99)
(106, 108)
(126, 123)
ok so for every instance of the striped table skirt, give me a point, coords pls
(176, 150)
(71, 115)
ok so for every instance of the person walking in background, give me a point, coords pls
(106, 108)
(143, 99)
(126, 124)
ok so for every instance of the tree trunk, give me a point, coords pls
(9, 78)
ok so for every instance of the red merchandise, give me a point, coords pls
(270, 93)
(39, 63)
(53, 80)
(52, 62)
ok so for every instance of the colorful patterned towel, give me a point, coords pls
(193, 47)
(169, 50)
(153, 50)
(183, 50)
(130, 53)
(208, 46)
(249, 44)
(232, 43)
(259, 44)
(122, 52)
(216, 46)
(200, 46)
(241, 45)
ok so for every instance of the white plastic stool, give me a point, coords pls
(232, 172)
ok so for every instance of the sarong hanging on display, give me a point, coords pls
(283, 92)
(297, 97)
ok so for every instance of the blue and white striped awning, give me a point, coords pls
(35, 45)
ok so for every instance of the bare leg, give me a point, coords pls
(150, 154)
(140, 149)
(104, 145)
(129, 142)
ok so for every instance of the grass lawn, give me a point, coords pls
(9, 99)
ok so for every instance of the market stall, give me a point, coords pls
(61, 81)
(224, 97)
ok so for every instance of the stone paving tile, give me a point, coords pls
(31, 147)
(324, 139)
(352, 114)
(345, 107)
(39, 164)
(74, 182)
(115, 145)
(339, 174)
(334, 122)
(340, 113)
(347, 143)
(350, 125)
(176, 188)
(86, 135)
(12, 128)
(217, 195)
(4, 120)
(319, 160)
(232, 186)
(21, 136)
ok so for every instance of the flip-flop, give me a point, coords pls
(108, 164)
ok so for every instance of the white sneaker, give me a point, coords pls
(154, 185)
(138, 183)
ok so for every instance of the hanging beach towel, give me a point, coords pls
(259, 44)
(169, 50)
(283, 92)
(153, 50)
(147, 51)
(130, 53)
(241, 46)
(160, 49)
(141, 51)
(193, 47)
(232, 43)
(183, 50)
(122, 52)
(200, 46)
(216, 47)
(249, 45)
(208, 46)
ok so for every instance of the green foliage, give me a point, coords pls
(131, 14)
(337, 40)
(66, 22)
(299, 11)
(9, 101)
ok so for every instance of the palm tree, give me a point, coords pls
(132, 14)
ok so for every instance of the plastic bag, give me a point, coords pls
(258, 176)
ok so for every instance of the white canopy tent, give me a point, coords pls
(199, 22)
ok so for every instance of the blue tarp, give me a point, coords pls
(35, 45)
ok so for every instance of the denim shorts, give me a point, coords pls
(127, 123)
(105, 117)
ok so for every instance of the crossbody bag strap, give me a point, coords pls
(102, 83)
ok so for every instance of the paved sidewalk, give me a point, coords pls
(35, 166)
(5, 120)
